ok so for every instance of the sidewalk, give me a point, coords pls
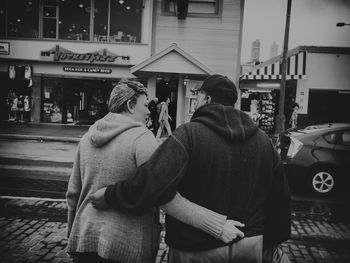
(34, 230)
(42, 131)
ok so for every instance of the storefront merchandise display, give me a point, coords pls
(260, 105)
(267, 112)
(75, 101)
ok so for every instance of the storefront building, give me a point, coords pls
(317, 79)
(63, 57)
(191, 40)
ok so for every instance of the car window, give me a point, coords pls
(346, 138)
(330, 137)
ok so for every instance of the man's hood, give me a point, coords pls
(109, 127)
(228, 122)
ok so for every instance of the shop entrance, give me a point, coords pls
(76, 101)
(167, 87)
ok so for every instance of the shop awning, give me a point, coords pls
(171, 60)
(272, 69)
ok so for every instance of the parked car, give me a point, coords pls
(317, 157)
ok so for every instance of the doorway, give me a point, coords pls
(167, 87)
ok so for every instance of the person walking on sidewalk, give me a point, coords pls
(164, 118)
(152, 106)
(109, 152)
(220, 160)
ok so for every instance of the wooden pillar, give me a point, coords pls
(180, 101)
(151, 87)
(35, 112)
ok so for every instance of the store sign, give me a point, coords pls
(88, 70)
(4, 48)
(102, 56)
(192, 84)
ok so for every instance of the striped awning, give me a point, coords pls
(272, 69)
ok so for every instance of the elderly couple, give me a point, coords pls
(218, 178)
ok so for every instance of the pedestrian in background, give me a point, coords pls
(223, 161)
(152, 106)
(164, 118)
(294, 118)
(109, 152)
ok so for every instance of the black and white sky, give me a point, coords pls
(313, 22)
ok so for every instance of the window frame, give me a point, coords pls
(335, 141)
(41, 18)
(41, 21)
(218, 14)
(341, 138)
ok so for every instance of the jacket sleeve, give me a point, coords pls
(74, 190)
(155, 182)
(195, 215)
(278, 210)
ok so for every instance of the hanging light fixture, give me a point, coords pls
(186, 80)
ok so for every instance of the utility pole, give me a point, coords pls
(281, 119)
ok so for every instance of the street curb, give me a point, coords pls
(40, 138)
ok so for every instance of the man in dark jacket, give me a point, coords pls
(222, 161)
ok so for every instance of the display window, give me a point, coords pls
(261, 106)
(76, 101)
(52, 100)
(15, 97)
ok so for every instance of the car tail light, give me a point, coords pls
(294, 147)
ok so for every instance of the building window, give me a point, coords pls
(74, 20)
(118, 21)
(125, 21)
(49, 23)
(196, 8)
(101, 15)
(22, 18)
(2, 18)
(84, 20)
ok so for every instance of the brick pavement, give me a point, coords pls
(34, 230)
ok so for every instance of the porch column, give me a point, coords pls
(180, 102)
(151, 87)
(35, 111)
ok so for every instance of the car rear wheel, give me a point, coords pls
(322, 181)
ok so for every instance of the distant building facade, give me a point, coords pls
(255, 52)
(273, 49)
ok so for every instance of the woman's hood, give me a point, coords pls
(109, 127)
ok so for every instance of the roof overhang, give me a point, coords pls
(272, 69)
(171, 60)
